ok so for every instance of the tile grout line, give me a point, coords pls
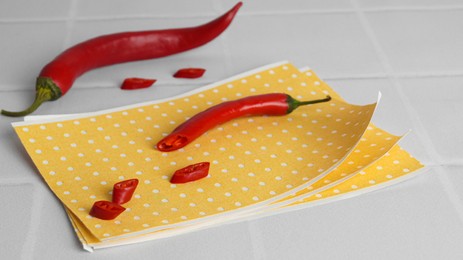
(412, 8)
(15, 181)
(224, 43)
(176, 16)
(70, 21)
(416, 75)
(257, 241)
(28, 248)
(449, 188)
(249, 13)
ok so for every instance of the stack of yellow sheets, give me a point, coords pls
(259, 165)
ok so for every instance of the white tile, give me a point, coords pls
(55, 231)
(25, 10)
(27, 48)
(437, 104)
(225, 242)
(115, 8)
(16, 162)
(411, 220)
(420, 41)
(259, 6)
(408, 3)
(178, 9)
(331, 44)
(16, 201)
(454, 174)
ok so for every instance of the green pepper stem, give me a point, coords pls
(41, 96)
(46, 90)
(293, 103)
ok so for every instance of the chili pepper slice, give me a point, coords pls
(58, 76)
(137, 83)
(191, 173)
(273, 104)
(189, 73)
(106, 210)
(123, 191)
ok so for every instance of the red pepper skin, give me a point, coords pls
(106, 210)
(137, 83)
(273, 104)
(57, 77)
(123, 191)
(191, 173)
(189, 73)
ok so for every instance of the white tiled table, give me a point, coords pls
(410, 50)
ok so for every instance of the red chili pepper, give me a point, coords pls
(273, 104)
(191, 173)
(57, 77)
(137, 83)
(106, 210)
(189, 73)
(123, 191)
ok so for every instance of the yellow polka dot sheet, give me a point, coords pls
(259, 165)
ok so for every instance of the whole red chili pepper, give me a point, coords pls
(106, 210)
(273, 104)
(123, 191)
(189, 73)
(191, 173)
(57, 77)
(137, 83)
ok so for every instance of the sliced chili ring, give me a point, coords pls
(106, 210)
(191, 173)
(189, 73)
(123, 191)
(137, 83)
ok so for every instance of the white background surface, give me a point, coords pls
(410, 50)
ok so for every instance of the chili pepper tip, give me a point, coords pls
(172, 142)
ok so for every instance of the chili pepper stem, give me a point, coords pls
(46, 90)
(294, 103)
